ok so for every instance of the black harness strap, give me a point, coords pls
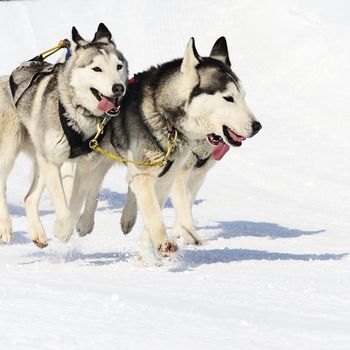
(167, 167)
(13, 86)
(200, 162)
(78, 146)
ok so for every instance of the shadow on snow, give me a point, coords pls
(232, 229)
(115, 200)
(191, 259)
(16, 210)
(21, 237)
(97, 259)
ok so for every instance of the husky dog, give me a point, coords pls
(196, 97)
(53, 115)
(188, 182)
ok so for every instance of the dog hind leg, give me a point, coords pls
(6, 163)
(36, 230)
(10, 140)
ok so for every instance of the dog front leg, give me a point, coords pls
(63, 227)
(129, 214)
(182, 200)
(147, 200)
(185, 189)
(85, 224)
(147, 254)
(67, 175)
(196, 179)
(84, 172)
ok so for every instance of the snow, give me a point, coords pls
(275, 271)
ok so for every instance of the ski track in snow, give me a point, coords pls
(274, 272)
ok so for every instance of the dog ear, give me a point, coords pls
(191, 58)
(77, 38)
(103, 35)
(220, 51)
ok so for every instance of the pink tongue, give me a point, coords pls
(219, 151)
(235, 137)
(105, 105)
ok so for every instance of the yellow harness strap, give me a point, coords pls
(62, 44)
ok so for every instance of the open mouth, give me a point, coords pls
(232, 137)
(108, 105)
(221, 147)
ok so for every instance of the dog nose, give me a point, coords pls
(118, 89)
(256, 126)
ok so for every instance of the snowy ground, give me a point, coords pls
(275, 272)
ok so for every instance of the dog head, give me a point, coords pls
(98, 72)
(215, 104)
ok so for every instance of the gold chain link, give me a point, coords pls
(94, 145)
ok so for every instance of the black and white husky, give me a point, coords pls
(52, 111)
(203, 100)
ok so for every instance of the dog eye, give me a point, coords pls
(97, 69)
(229, 99)
(119, 66)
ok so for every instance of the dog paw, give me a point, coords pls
(85, 225)
(5, 231)
(189, 237)
(63, 230)
(39, 239)
(177, 231)
(148, 256)
(38, 236)
(150, 260)
(40, 243)
(167, 248)
(127, 221)
(192, 239)
(126, 225)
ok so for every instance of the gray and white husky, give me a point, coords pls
(203, 100)
(52, 112)
(203, 156)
